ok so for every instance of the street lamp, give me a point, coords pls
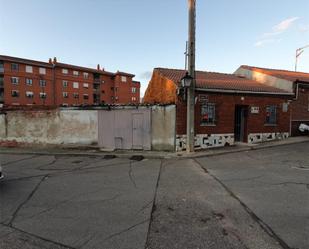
(299, 51)
(186, 81)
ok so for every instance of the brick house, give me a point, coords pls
(293, 82)
(28, 82)
(228, 108)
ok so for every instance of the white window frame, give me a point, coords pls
(134, 89)
(29, 69)
(75, 85)
(15, 80)
(133, 99)
(15, 91)
(208, 109)
(43, 95)
(65, 83)
(86, 75)
(75, 73)
(65, 71)
(65, 95)
(42, 83)
(86, 85)
(27, 83)
(29, 94)
(42, 70)
(123, 79)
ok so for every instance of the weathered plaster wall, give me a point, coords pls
(51, 127)
(2, 126)
(163, 127)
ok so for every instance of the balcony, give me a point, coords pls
(96, 81)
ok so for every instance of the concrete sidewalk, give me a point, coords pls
(76, 150)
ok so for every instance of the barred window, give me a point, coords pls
(271, 114)
(208, 114)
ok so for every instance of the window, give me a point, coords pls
(123, 79)
(86, 75)
(75, 95)
(85, 85)
(15, 93)
(103, 81)
(43, 95)
(133, 89)
(29, 82)
(65, 95)
(65, 71)
(103, 91)
(42, 83)
(86, 96)
(29, 69)
(65, 83)
(116, 98)
(75, 85)
(75, 73)
(271, 114)
(15, 80)
(112, 88)
(42, 70)
(133, 98)
(29, 95)
(14, 67)
(208, 114)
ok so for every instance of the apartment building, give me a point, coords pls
(28, 82)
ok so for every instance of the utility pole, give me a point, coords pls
(299, 51)
(191, 73)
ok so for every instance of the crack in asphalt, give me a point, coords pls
(27, 199)
(261, 223)
(153, 208)
(292, 183)
(131, 174)
(38, 237)
(244, 179)
(19, 160)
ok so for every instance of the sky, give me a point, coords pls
(136, 36)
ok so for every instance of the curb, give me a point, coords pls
(149, 156)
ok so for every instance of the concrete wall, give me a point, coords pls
(50, 127)
(163, 124)
(266, 79)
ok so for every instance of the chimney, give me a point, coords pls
(55, 60)
(98, 66)
(50, 61)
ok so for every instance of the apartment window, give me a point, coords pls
(85, 85)
(65, 83)
(65, 95)
(133, 98)
(29, 82)
(123, 79)
(29, 69)
(86, 96)
(29, 95)
(15, 80)
(271, 115)
(103, 91)
(112, 88)
(208, 114)
(116, 98)
(75, 95)
(43, 95)
(86, 75)
(15, 93)
(42, 83)
(133, 89)
(75, 85)
(75, 73)
(14, 67)
(42, 70)
(65, 71)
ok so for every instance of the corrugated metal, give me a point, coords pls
(125, 129)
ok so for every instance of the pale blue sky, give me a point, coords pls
(138, 35)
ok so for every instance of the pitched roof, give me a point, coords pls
(282, 74)
(221, 82)
(25, 61)
(86, 69)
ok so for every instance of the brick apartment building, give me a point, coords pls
(28, 82)
(228, 108)
(293, 82)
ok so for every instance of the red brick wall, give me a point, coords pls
(54, 86)
(225, 114)
(22, 87)
(160, 90)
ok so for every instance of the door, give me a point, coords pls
(138, 131)
(240, 128)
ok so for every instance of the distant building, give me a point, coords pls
(293, 82)
(28, 82)
(228, 108)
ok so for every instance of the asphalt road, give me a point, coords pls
(255, 200)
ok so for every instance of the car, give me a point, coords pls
(1, 174)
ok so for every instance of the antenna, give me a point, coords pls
(299, 51)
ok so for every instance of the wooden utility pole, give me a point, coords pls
(191, 72)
